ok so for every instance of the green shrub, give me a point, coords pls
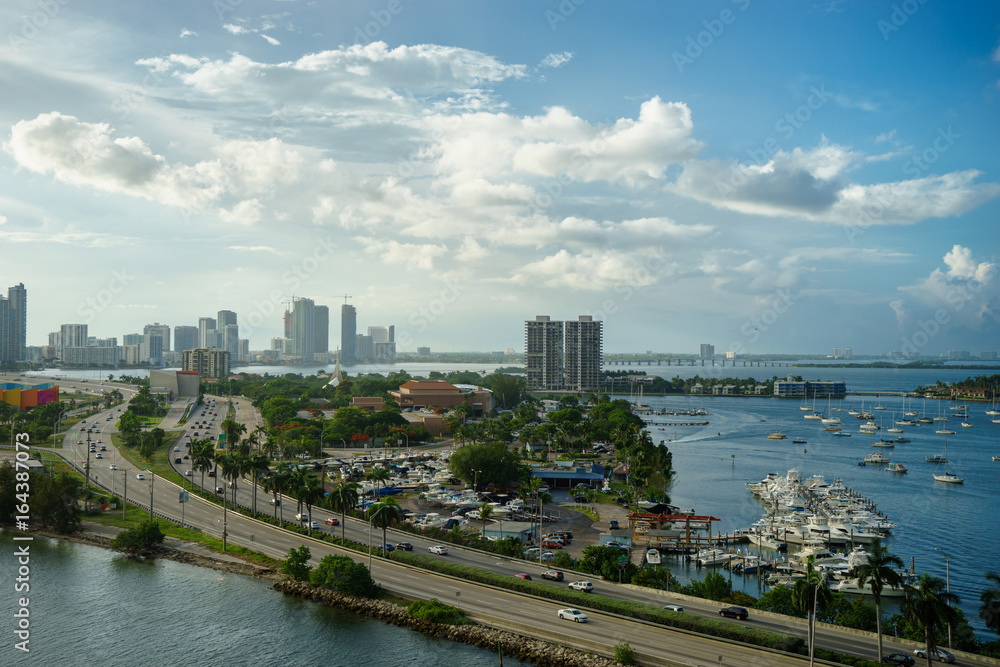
(437, 612)
(345, 575)
(297, 565)
(624, 653)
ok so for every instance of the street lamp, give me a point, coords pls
(947, 584)
(475, 478)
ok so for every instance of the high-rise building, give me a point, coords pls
(707, 351)
(423, 351)
(244, 350)
(837, 353)
(212, 363)
(231, 340)
(185, 337)
(224, 318)
(303, 329)
(72, 335)
(364, 348)
(383, 343)
(13, 324)
(847, 352)
(321, 340)
(163, 330)
(132, 339)
(206, 332)
(584, 343)
(348, 333)
(543, 351)
(151, 349)
(288, 324)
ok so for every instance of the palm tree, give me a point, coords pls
(808, 595)
(202, 456)
(379, 476)
(880, 570)
(309, 493)
(485, 513)
(385, 513)
(233, 430)
(230, 464)
(296, 480)
(990, 611)
(928, 606)
(258, 465)
(344, 497)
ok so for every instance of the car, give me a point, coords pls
(196, 432)
(523, 575)
(332, 522)
(553, 575)
(83, 421)
(572, 615)
(99, 455)
(314, 525)
(275, 501)
(582, 586)
(189, 473)
(673, 607)
(579, 499)
(616, 545)
(898, 659)
(613, 524)
(547, 557)
(302, 517)
(404, 546)
(936, 654)
(177, 460)
(140, 476)
(177, 449)
(211, 473)
(219, 490)
(185, 457)
(113, 466)
(531, 552)
(552, 544)
(104, 448)
(734, 612)
(386, 547)
(232, 485)
(438, 549)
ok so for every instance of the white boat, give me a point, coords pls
(946, 431)
(947, 477)
(897, 468)
(850, 586)
(937, 458)
(815, 415)
(707, 557)
(877, 458)
(996, 458)
(884, 444)
(966, 425)
(894, 430)
(653, 557)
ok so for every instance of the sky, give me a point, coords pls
(780, 177)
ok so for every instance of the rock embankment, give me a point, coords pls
(525, 649)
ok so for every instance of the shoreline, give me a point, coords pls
(524, 649)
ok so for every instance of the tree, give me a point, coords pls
(485, 513)
(880, 570)
(344, 497)
(233, 430)
(202, 456)
(138, 541)
(808, 595)
(385, 513)
(257, 465)
(345, 575)
(296, 566)
(496, 464)
(990, 609)
(928, 608)
(379, 476)
(310, 491)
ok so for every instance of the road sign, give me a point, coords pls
(622, 560)
(183, 497)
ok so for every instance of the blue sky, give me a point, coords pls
(767, 177)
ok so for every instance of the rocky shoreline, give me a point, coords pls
(525, 649)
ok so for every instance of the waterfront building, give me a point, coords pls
(583, 347)
(208, 362)
(303, 329)
(129, 354)
(321, 339)
(707, 351)
(423, 351)
(814, 388)
(91, 355)
(206, 332)
(163, 330)
(563, 355)
(287, 320)
(243, 350)
(364, 348)
(543, 349)
(151, 349)
(383, 343)
(348, 333)
(185, 338)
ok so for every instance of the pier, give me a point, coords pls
(645, 361)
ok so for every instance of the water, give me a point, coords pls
(715, 462)
(89, 606)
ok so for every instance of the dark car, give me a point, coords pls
(177, 460)
(404, 546)
(211, 473)
(898, 659)
(735, 612)
(613, 524)
(554, 575)
(386, 547)
(579, 499)
(522, 575)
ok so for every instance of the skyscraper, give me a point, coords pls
(322, 338)
(231, 341)
(288, 324)
(205, 326)
(225, 317)
(72, 335)
(13, 323)
(383, 343)
(163, 330)
(185, 337)
(707, 351)
(348, 333)
(303, 329)
(207, 362)
(584, 342)
(543, 348)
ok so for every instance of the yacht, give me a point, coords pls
(884, 444)
(996, 458)
(877, 458)
(851, 586)
(947, 477)
(653, 557)
(966, 425)
(894, 430)
(815, 415)
(946, 431)
(897, 468)
(712, 557)
(844, 434)
(937, 458)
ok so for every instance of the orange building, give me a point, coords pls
(440, 394)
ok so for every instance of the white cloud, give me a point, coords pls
(256, 248)
(3, 220)
(961, 265)
(557, 59)
(234, 29)
(589, 271)
(471, 251)
(246, 212)
(410, 255)
(271, 40)
(187, 33)
(965, 295)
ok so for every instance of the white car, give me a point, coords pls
(301, 517)
(140, 476)
(936, 654)
(113, 466)
(583, 586)
(673, 607)
(438, 549)
(573, 615)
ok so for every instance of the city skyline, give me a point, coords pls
(768, 179)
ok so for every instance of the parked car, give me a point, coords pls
(547, 557)
(734, 612)
(613, 524)
(438, 549)
(573, 615)
(673, 607)
(332, 522)
(582, 586)
(898, 659)
(531, 552)
(936, 654)
(522, 575)
(552, 544)
(554, 575)
(404, 546)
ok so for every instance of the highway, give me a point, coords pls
(654, 644)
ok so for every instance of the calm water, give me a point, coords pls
(91, 607)
(715, 462)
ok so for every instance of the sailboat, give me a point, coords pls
(948, 477)
(829, 409)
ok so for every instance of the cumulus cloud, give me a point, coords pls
(187, 33)
(590, 271)
(410, 255)
(966, 292)
(256, 248)
(246, 212)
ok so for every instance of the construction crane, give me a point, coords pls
(346, 297)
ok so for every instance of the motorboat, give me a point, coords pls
(897, 468)
(877, 458)
(798, 441)
(777, 435)
(996, 458)
(946, 431)
(653, 557)
(850, 586)
(707, 557)
(844, 434)
(937, 458)
(882, 443)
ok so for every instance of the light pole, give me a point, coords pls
(151, 476)
(475, 478)
(812, 623)
(947, 584)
